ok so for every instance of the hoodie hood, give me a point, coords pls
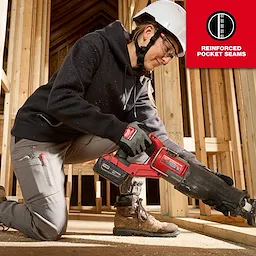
(118, 47)
(118, 44)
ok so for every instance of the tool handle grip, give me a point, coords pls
(120, 154)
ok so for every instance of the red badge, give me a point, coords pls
(220, 34)
(129, 132)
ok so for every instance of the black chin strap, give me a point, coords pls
(142, 50)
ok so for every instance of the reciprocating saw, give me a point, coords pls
(187, 177)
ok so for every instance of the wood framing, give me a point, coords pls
(3, 19)
(234, 129)
(246, 89)
(28, 58)
(219, 103)
(6, 85)
(168, 101)
(199, 129)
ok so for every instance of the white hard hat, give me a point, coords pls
(170, 16)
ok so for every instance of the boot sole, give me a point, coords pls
(131, 232)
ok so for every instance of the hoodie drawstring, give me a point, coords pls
(134, 99)
(126, 98)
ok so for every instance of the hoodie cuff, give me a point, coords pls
(115, 130)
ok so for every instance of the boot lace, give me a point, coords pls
(142, 213)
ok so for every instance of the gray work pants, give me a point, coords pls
(38, 167)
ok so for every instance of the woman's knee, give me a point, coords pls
(50, 229)
(49, 216)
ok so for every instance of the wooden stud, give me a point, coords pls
(243, 131)
(26, 51)
(139, 5)
(36, 47)
(3, 20)
(212, 145)
(108, 193)
(69, 186)
(209, 130)
(192, 201)
(5, 83)
(249, 94)
(199, 129)
(79, 189)
(6, 171)
(220, 124)
(234, 129)
(168, 101)
(5, 158)
(45, 44)
(17, 16)
(98, 195)
(120, 11)
(190, 103)
(126, 21)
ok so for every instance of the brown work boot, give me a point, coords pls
(137, 222)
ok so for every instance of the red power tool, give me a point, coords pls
(188, 177)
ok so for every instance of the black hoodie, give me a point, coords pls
(95, 91)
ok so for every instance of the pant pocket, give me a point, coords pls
(35, 178)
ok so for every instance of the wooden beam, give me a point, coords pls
(168, 101)
(208, 116)
(139, 5)
(79, 189)
(190, 103)
(5, 158)
(237, 234)
(83, 169)
(234, 129)
(69, 36)
(8, 118)
(120, 11)
(15, 47)
(69, 186)
(199, 130)
(26, 51)
(6, 171)
(44, 77)
(239, 84)
(212, 145)
(23, 38)
(3, 19)
(221, 127)
(35, 67)
(6, 85)
(248, 79)
(108, 193)
(207, 102)
(126, 13)
(128, 20)
(80, 19)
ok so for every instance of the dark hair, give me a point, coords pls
(140, 28)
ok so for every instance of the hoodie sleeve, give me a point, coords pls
(66, 100)
(147, 113)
